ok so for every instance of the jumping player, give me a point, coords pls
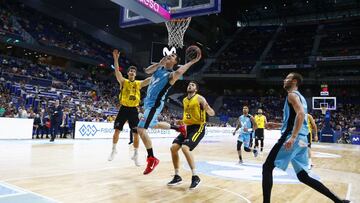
(163, 77)
(129, 101)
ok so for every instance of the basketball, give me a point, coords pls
(192, 52)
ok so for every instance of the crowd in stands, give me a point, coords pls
(243, 52)
(233, 106)
(7, 23)
(51, 32)
(293, 45)
(345, 118)
(82, 96)
(340, 39)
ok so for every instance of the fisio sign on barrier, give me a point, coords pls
(94, 130)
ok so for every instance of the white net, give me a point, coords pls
(323, 110)
(176, 29)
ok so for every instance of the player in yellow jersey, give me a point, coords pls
(129, 101)
(260, 121)
(194, 116)
(312, 127)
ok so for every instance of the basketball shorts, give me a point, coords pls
(150, 118)
(195, 133)
(259, 133)
(129, 114)
(245, 138)
(297, 155)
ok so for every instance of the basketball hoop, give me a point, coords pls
(176, 30)
(323, 110)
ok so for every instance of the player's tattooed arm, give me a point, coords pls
(179, 72)
(152, 68)
(145, 82)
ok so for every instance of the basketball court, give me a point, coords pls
(72, 171)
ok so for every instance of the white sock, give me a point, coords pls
(114, 147)
(310, 162)
(193, 172)
(135, 151)
(176, 171)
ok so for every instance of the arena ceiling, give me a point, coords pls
(104, 14)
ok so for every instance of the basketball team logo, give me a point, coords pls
(88, 130)
(167, 52)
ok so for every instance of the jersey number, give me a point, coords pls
(132, 98)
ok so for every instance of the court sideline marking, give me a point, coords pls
(348, 193)
(24, 191)
(213, 187)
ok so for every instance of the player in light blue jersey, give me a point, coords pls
(292, 145)
(163, 77)
(247, 125)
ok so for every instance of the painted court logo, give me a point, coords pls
(246, 171)
(88, 130)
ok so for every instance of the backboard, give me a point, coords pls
(328, 102)
(178, 8)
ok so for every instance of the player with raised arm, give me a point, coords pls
(129, 101)
(163, 78)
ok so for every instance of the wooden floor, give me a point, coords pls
(78, 171)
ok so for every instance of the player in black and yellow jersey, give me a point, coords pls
(129, 101)
(261, 121)
(312, 127)
(194, 116)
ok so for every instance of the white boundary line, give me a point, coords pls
(60, 174)
(214, 187)
(348, 194)
(24, 191)
(229, 191)
(11, 195)
(18, 192)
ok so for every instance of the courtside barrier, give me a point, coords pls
(96, 130)
(16, 128)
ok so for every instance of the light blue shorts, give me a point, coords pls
(150, 118)
(245, 138)
(297, 155)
